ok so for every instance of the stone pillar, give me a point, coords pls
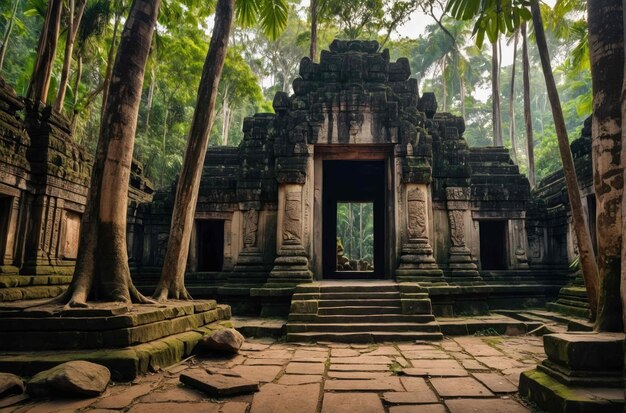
(416, 260)
(460, 262)
(250, 270)
(291, 266)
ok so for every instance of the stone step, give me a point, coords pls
(366, 318)
(387, 295)
(360, 310)
(432, 327)
(364, 302)
(365, 336)
(351, 288)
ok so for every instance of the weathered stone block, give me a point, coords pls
(586, 351)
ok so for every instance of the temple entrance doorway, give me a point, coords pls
(6, 203)
(353, 219)
(493, 245)
(210, 244)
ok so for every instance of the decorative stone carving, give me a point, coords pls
(250, 227)
(416, 211)
(520, 252)
(457, 228)
(292, 227)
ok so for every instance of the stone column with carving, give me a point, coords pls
(461, 265)
(291, 266)
(416, 260)
(250, 270)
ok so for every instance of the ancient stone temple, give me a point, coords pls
(357, 129)
(356, 133)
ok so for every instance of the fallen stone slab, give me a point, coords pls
(218, 385)
(74, 378)
(227, 340)
(10, 384)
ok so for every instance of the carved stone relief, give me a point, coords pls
(292, 227)
(416, 211)
(250, 226)
(457, 228)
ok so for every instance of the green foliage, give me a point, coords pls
(493, 17)
(270, 15)
(355, 229)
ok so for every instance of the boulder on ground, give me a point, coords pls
(74, 379)
(227, 340)
(10, 384)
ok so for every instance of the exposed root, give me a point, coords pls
(137, 297)
(163, 294)
(59, 299)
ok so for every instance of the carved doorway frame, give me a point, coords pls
(355, 152)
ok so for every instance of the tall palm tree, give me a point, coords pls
(46, 51)
(73, 23)
(272, 18)
(489, 15)
(528, 121)
(7, 33)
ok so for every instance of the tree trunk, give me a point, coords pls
(7, 34)
(462, 80)
(46, 52)
(606, 54)
(101, 270)
(172, 279)
(109, 70)
(360, 231)
(150, 98)
(225, 116)
(313, 50)
(512, 102)
(79, 73)
(528, 121)
(444, 91)
(73, 23)
(164, 139)
(495, 96)
(585, 249)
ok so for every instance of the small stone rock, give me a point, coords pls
(217, 385)
(74, 378)
(227, 340)
(10, 384)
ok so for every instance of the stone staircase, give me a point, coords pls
(361, 312)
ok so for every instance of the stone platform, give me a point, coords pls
(583, 373)
(128, 340)
(24, 287)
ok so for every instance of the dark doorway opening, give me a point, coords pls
(353, 186)
(6, 203)
(210, 245)
(493, 245)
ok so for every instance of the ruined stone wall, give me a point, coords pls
(549, 223)
(44, 179)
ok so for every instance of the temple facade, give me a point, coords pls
(460, 221)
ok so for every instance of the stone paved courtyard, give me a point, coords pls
(461, 374)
